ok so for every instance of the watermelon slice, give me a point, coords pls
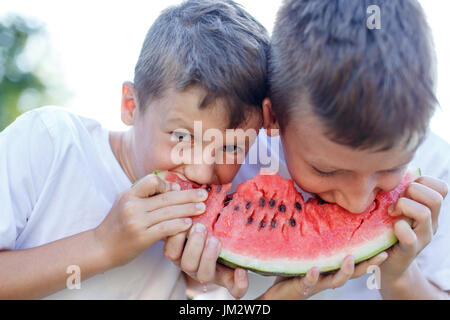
(266, 226)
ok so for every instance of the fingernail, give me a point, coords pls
(382, 256)
(241, 274)
(315, 274)
(200, 228)
(188, 220)
(203, 194)
(212, 244)
(351, 261)
(176, 187)
(200, 207)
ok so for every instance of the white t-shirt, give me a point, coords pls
(432, 157)
(59, 177)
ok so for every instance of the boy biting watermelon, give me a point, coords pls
(353, 105)
(82, 214)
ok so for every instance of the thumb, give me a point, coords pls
(293, 288)
(236, 281)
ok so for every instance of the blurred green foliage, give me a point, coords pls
(28, 76)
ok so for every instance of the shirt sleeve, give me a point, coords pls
(26, 152)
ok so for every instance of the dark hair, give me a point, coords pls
(368, 87)
(214, 44)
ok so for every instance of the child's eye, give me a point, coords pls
(179, 136)
(394, 170)
(232, 149)
(324, 173)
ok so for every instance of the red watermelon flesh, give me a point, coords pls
(266, 226)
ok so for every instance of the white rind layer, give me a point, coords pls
(324, 263)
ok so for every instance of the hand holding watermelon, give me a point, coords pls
(314, 282)
(421, 203)
(197, 256)
(151, 210)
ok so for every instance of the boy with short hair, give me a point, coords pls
(352, 106)
(68, 212)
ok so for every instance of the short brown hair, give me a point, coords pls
(212, 43)
(368, 87)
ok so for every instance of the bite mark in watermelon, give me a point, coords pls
(266, 226)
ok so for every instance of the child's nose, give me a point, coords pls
(358, 196)
(358, 205)
(202, 173)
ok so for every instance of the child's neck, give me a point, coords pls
(117, 140)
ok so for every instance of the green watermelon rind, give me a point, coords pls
(301, 267)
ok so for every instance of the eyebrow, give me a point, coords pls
(179, 123)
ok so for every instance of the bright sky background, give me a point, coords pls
(97, 43)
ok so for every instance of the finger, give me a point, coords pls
(192, 252)
(207, 268)
(429, 198)
(240, 283)
(224, 276)
(173, 248)
(149, 186)
(173, 212)
(165, 229)
(362, 267)
(338, 279)
(234, 280)
(309, 282)
(407, 238)
(301, 287)
(173, 198)
(294, 288)
(420, 214)
(435, 184)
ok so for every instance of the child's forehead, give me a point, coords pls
(193, 105)
(318, 148)
(186, 107)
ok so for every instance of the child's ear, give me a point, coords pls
(128, 105)
(270, 121)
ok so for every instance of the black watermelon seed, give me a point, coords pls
(262, 202)
(273, 224)
(208, 188)
(249, 220)
(271, 203)
(236, 208)
(292, 222)
(248, 205)
(282, 208)
(322, 201)
(298, 206)
(262, 224)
